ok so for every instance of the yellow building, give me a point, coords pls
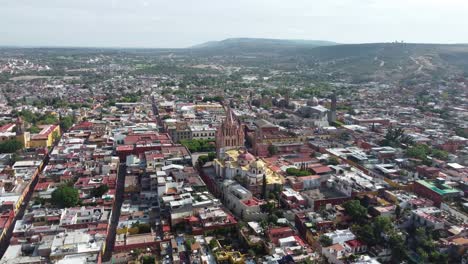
(241, 164)
(232, 257)
(46, 137)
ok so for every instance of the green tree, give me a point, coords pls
(10, 146)
(272, 150)
(381, 226)
(297, 172)
(354, 209)
(398, 247)
(264, 187)
(325, 241)
(398, 211)
(439, 154)
(34, 130)
(395, 137)
(99, 191)
(148, 260)
(365, 233)
(419, 151)
(65, 196)
(66, 123)
(333, 161)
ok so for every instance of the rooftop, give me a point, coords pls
(441, 189)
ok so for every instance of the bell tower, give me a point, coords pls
(230, 135)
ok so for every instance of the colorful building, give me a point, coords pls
(46, 137)
(437, 190)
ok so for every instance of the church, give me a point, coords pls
(234, 162)
(230, 135)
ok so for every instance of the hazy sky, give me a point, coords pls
(182, 23)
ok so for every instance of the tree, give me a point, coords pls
(144, 228)
(395, 137)
(439, 154)
(398, 211)
(355, 210)
(65, 196)
(55, 136)
(365, 233)
(99, 191)
(66, 123)
(264, 187)
(325, 241)
(199, 145)
(148, 260)
(10, 146)
(202, 159)
(213, 243)
(34, 130)
(419, 151)
(272, 219)
(272, 150)
(297, 172)
(461, 132)
(333, 161)
(423, 256)
(397, 245)
(381, 225)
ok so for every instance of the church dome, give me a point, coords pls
(246, 156)
(258, 164)
(313, 102)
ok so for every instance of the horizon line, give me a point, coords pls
(194, 46)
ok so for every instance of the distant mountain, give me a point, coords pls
(374, 61)
(260, 44)
(379, 59)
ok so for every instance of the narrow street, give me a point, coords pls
(114, 221)
(5, 242)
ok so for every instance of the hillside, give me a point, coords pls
(256, 45)
(398, 61)
(376, 61)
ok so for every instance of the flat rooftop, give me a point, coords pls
(441, 189)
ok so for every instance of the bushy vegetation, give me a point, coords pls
(395, 137)
(354, 209)
(131, 97)
(272, 150)
(139, 228)
(38, 118)
(65, 196)
(206, 158)
(333, 161)
(10, 146)
(99, 191)
(213, 99)
(297, 172)
(66, 123)
(422, 151)
(199, 145)
(325, 241)
(148, 260)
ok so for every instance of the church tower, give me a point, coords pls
(230, 135)
(332, 112)
(21, 134)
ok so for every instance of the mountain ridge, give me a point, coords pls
(229, 42)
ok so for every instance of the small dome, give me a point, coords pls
(247, 156)
(313, 102)
(258, 164)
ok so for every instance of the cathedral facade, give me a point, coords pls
(230, 135)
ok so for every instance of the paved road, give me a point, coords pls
(196, 155)
(116, 209)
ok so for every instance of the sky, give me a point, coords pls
(183, 23)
